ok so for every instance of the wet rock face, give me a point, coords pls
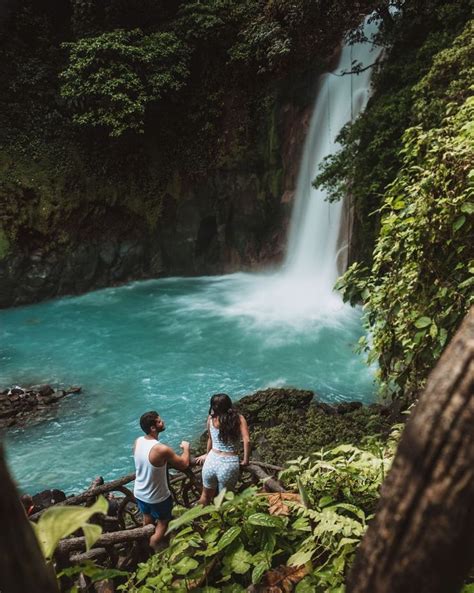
(19, 405)
(233, 218)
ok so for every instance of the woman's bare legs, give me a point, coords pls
(207, 496)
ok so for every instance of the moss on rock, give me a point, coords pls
(287, 423)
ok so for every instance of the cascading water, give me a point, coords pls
(301, 292)
(311, 259)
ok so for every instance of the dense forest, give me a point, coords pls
(155, 138)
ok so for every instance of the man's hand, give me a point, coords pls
(184, 445)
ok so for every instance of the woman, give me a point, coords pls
(226, 427)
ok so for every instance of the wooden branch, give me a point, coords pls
(22, 566)
(422, 537)
(91, 492)
(269, 482)
(92, 554)
(276, 468)
(106, 539)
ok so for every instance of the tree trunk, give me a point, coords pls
(22, 566)
(422, 537)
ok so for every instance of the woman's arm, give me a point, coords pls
(244, 433)
(202, 458)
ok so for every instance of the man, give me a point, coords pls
(151, 486)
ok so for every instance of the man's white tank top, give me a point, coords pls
(151, 484)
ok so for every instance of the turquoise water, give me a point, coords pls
(167, 345)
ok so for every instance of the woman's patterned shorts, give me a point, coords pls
(220, 471)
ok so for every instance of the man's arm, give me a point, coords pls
(162, 454)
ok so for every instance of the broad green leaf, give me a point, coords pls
(91, 533)
(229, 536)
(458, 223)
(185, 565)
(265, 520)
(219, 499)
(190, 516)
(422, 322)
(325, 501)
(305, 586)
(211, 534)
(468, 208)
(91, 570)
(258, 572)
(241, 560)
(60, 521)
(399, 204)
(301, 557)
(442, 336)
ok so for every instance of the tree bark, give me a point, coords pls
(106, 539)
(22, 566)
(268, 482)
(422, 537)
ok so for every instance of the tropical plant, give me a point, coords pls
(60, 521)
(419, 285)
(112, 78)
(304, 540)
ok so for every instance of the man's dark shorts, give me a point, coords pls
(159, 510)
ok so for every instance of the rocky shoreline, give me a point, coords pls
(286, 423)
(19, 405)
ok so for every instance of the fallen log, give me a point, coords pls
(107, 539)
(269, 483)
(91, 492)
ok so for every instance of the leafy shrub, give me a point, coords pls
(112, 78)
(276, 540)
(343, 474)
(419, 285)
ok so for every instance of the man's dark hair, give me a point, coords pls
(147, 421)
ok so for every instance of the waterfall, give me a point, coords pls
(312, 251)
(300, 294)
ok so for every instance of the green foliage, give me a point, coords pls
(93, 572)
(370, 156)
(60, 521)
(420, 283)
(294, 433)
(111, 79)
(344, 474)
(237, 541)
(235, 538)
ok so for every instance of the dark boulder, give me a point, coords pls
(265, 408)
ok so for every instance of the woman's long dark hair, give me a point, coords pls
(229, 420)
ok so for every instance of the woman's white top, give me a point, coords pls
(151, 484)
